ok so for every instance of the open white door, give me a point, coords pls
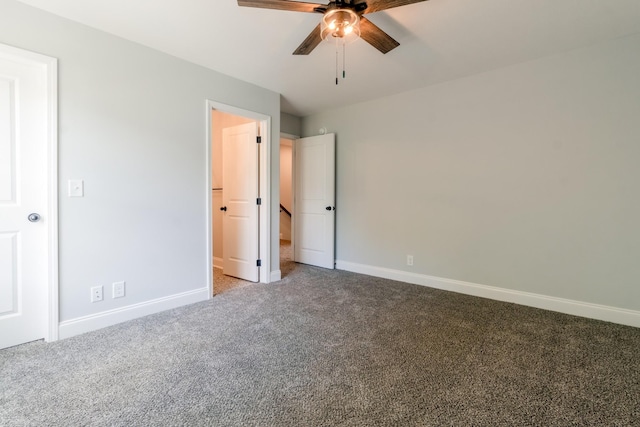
(240, 201)
(314, 212)
(24, 205)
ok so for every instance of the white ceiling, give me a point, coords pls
(440, 40)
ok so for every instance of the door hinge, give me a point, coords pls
(259, 263)
(259, 140)
(259, 200)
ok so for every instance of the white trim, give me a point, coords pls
(276, 275)
(89, 323)
(51, 287)
(265, 194)
(53, 309)
(209, 202)
(218, 262)
(562, 305)
(289, 136)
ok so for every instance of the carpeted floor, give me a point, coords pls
(331, 348)
(222, 283)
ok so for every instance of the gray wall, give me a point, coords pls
(132, 124)
(524, 178)
(290, 124)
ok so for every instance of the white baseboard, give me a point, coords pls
(80, 325)
(561, 305)
(218, 262)
(276, 276)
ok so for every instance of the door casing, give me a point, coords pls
(264, 188)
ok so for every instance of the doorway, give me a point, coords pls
(286, 201)
(219, 118)
(314, 195)
(307, 200)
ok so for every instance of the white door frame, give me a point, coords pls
(51, 287)
(264, 176)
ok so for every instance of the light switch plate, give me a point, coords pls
(76, 188)
(118, 289)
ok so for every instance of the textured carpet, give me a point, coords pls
(331, 348)
(223, 283)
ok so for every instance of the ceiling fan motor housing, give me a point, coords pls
(343, 24)
(359, 8)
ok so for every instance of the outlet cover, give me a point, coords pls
(96, 294)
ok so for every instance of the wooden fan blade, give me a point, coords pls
(377, 38)
(310, 43)
(378, 5)
(295, 6)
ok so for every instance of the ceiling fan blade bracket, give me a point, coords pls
(360, 7)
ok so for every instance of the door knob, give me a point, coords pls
(224, 208)
(33, 217)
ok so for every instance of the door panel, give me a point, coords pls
(23, 190)
(8, 269)
(314, 193)
(240, 193)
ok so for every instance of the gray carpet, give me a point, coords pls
(223, 283)
(331, 348)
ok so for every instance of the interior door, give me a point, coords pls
(240, 201)
(23, 200)
(314, 211)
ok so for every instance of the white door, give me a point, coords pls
(240, 201)
(314, 211)
(24, 222)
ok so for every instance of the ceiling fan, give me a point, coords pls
(341, 20)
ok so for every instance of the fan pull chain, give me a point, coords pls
(336, 61)
(344, 59)
(336, 65)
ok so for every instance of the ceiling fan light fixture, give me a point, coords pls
(342, 24)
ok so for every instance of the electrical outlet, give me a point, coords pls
(96, 294)
(118, 289)
(409, 259)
